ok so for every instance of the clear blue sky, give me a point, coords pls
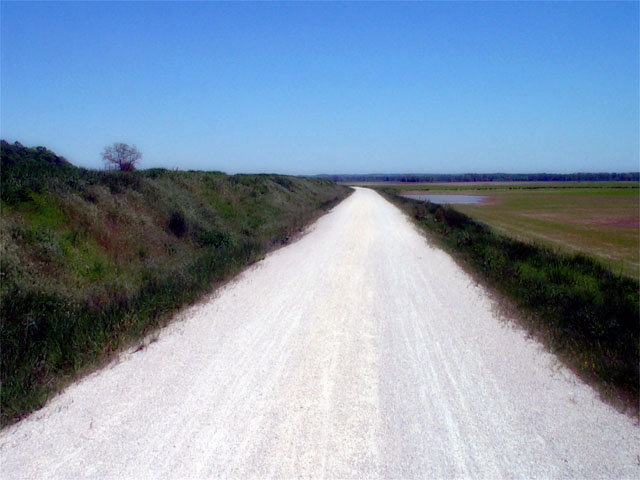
(308, 88)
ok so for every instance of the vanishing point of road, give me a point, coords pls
(359, 351)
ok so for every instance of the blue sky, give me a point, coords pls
(305, 88)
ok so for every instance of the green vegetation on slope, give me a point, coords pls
(580, 309)
(92, 260)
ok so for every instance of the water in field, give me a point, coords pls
(448, 199)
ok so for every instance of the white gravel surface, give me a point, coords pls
(359, 351)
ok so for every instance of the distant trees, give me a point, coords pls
(489, 177)
(121, 156)
(16, 152)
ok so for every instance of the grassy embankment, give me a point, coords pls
(92, 261)
(598, 218)
(580, 309)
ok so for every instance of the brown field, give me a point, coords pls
(600, 219)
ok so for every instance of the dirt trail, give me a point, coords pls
(357, 351)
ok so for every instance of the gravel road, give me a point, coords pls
(359, 351)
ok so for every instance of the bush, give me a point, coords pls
(177, 224)
(214, 239)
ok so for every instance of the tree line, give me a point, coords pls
(488, 177)
(118, 156)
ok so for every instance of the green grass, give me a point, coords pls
(91, 261)
(598, 218)
(582, 310)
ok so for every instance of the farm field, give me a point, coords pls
(598, 218)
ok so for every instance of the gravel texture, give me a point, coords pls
(359, 351)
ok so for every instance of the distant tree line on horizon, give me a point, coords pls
(488, 177)
(124, 157)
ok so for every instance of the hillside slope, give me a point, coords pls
(92, 259)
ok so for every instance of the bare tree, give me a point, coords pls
(121, 156)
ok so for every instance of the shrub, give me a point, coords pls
(215, 239)
(177, 224)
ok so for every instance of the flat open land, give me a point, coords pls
(359, 351)
(601, 219)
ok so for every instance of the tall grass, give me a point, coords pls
(92, 260)
(583, 311)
